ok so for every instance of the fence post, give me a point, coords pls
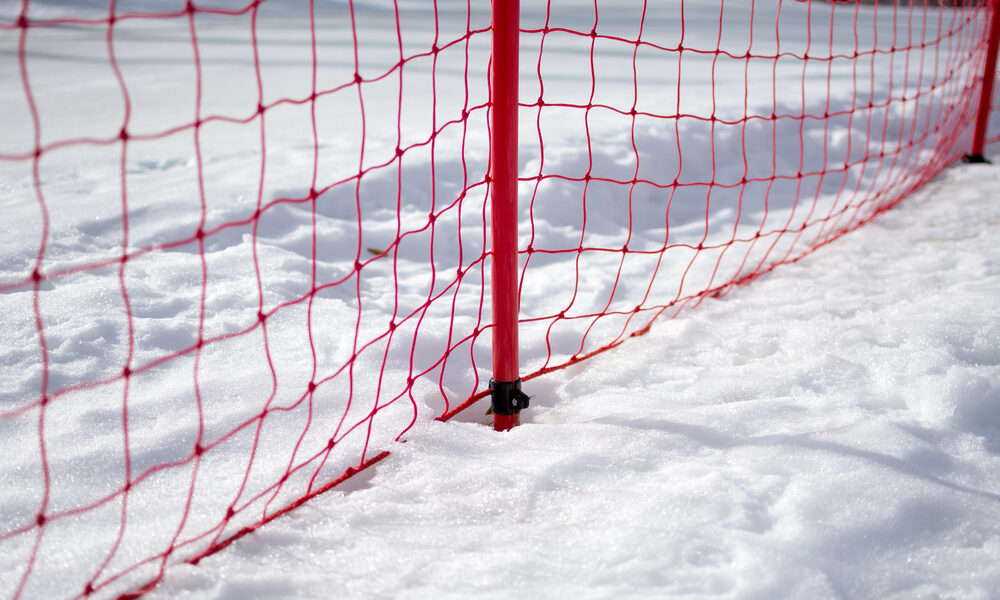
(507, 398)
(986, 93)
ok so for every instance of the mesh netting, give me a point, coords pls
(241, 238)
(708, 151)
(245, 244)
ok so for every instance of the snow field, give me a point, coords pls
(400, 217)
(841, 442)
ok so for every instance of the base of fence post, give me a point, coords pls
(977, 159)
(505, 422)
(507, 402)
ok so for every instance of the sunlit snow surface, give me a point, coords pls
(830, 432)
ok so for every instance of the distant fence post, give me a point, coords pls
(508, 400)
(986, 93)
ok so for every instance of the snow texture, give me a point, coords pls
(832, 431)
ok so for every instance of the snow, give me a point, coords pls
(828, 432)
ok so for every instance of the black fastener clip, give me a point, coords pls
(507, 397)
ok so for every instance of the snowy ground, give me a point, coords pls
(828, 432)
(831, 431)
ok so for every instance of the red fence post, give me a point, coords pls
(508, 400)
(986, 94)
